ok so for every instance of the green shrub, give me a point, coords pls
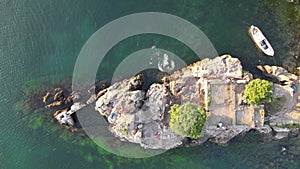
(208, 101)
(258, 91)
(187, 120)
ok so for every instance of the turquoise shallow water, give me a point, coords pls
(41, 40)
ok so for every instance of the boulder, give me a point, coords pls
(75, 96)
(54, 104)
(59, 94)
(98, 87)
(223, 136)
(59, 99)
(280, 132)
(278, 73)
(264, 129)
(46, 97)
(136, 82)
(64, 117)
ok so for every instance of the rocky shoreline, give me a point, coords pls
(138, 113)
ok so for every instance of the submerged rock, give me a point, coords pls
(45, 98)
(59, 95)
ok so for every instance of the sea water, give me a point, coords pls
(40, 42)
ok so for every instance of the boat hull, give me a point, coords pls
(261, 41)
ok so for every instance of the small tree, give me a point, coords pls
(258, 91)
(187, 119)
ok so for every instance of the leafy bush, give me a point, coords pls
(258, 91)
(187, 120)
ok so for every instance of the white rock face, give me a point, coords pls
(220, 67)
(65, 117)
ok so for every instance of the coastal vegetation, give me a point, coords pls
(187, 119)
(258, 91)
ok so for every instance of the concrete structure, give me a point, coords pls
(225, 104)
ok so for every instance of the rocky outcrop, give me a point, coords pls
(139, 114)
(279, 74)
(224, 135)
(288, 93)
(65, 103)
(65, 116)
(188, 84)
(59, 98)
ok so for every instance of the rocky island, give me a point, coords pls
(140, 113)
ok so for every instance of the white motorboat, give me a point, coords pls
(260, 40)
